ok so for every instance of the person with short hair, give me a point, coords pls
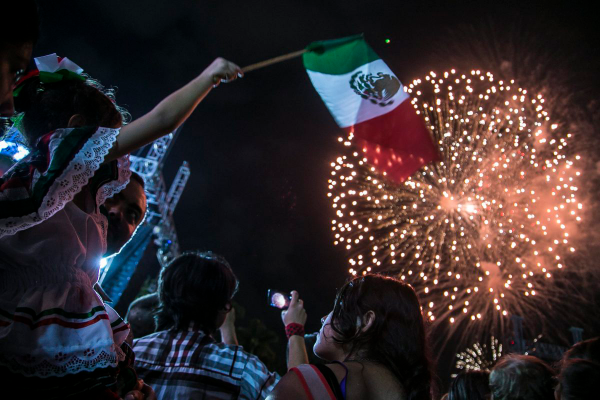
(470, 385)
(520, 377)
(579, 371)
(182, 360)
(140, 315)
(578, 380)
(587, 350)
(125, 211)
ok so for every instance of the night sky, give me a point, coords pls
(259, 148)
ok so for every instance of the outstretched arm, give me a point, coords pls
(173, 110)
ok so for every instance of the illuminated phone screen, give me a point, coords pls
(279, 299)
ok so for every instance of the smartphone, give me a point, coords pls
(279, 299)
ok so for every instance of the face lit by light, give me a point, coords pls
(325, 347)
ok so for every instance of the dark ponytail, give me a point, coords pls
(49, 106)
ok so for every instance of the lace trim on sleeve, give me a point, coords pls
(72, 179)
(111, 188)
(62, 364)
(108, 190)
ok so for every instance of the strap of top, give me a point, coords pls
(315, 385)
(338, 388)
(343, 381)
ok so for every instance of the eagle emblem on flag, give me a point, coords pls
(378, 88)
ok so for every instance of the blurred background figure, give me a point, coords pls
(578, 380)
(579, 371)
(470, 385)
(587, 349)
(519, 377)
(141, 315)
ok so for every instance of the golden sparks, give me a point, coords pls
(479, 231)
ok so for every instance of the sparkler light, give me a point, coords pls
(479, 357)
(480, 233)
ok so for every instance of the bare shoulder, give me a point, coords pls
(289, 387)
(339, 370)
(369, 381)
(381, 383)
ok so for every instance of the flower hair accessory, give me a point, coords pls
(51, 69)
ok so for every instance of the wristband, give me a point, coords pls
(294, 329)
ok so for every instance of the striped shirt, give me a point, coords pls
(191, 365)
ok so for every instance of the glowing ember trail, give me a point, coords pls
(480, 233)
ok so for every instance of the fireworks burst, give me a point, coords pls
(480, 233)
(479, 357)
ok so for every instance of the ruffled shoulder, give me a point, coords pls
(112, 180)
(58, 168)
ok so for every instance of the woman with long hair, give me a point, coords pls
(375, 342)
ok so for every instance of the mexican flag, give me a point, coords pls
(366, 98)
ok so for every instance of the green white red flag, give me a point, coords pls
(366, 98)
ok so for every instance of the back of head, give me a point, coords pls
(140, 315)
(20, 24)
(579, 379)
(518, 377)
(587, 350)
(397, 336)
(50, 106)
(472, 385)
(194, 287)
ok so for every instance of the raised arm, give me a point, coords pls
(170, 113)
(295, 314)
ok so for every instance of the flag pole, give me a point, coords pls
(274, 60)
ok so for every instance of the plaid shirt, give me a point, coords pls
(191, 365)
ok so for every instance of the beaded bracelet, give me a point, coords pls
(294, 329)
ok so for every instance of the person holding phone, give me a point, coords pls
(375, 342)
(294, 318)
(182, 360)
